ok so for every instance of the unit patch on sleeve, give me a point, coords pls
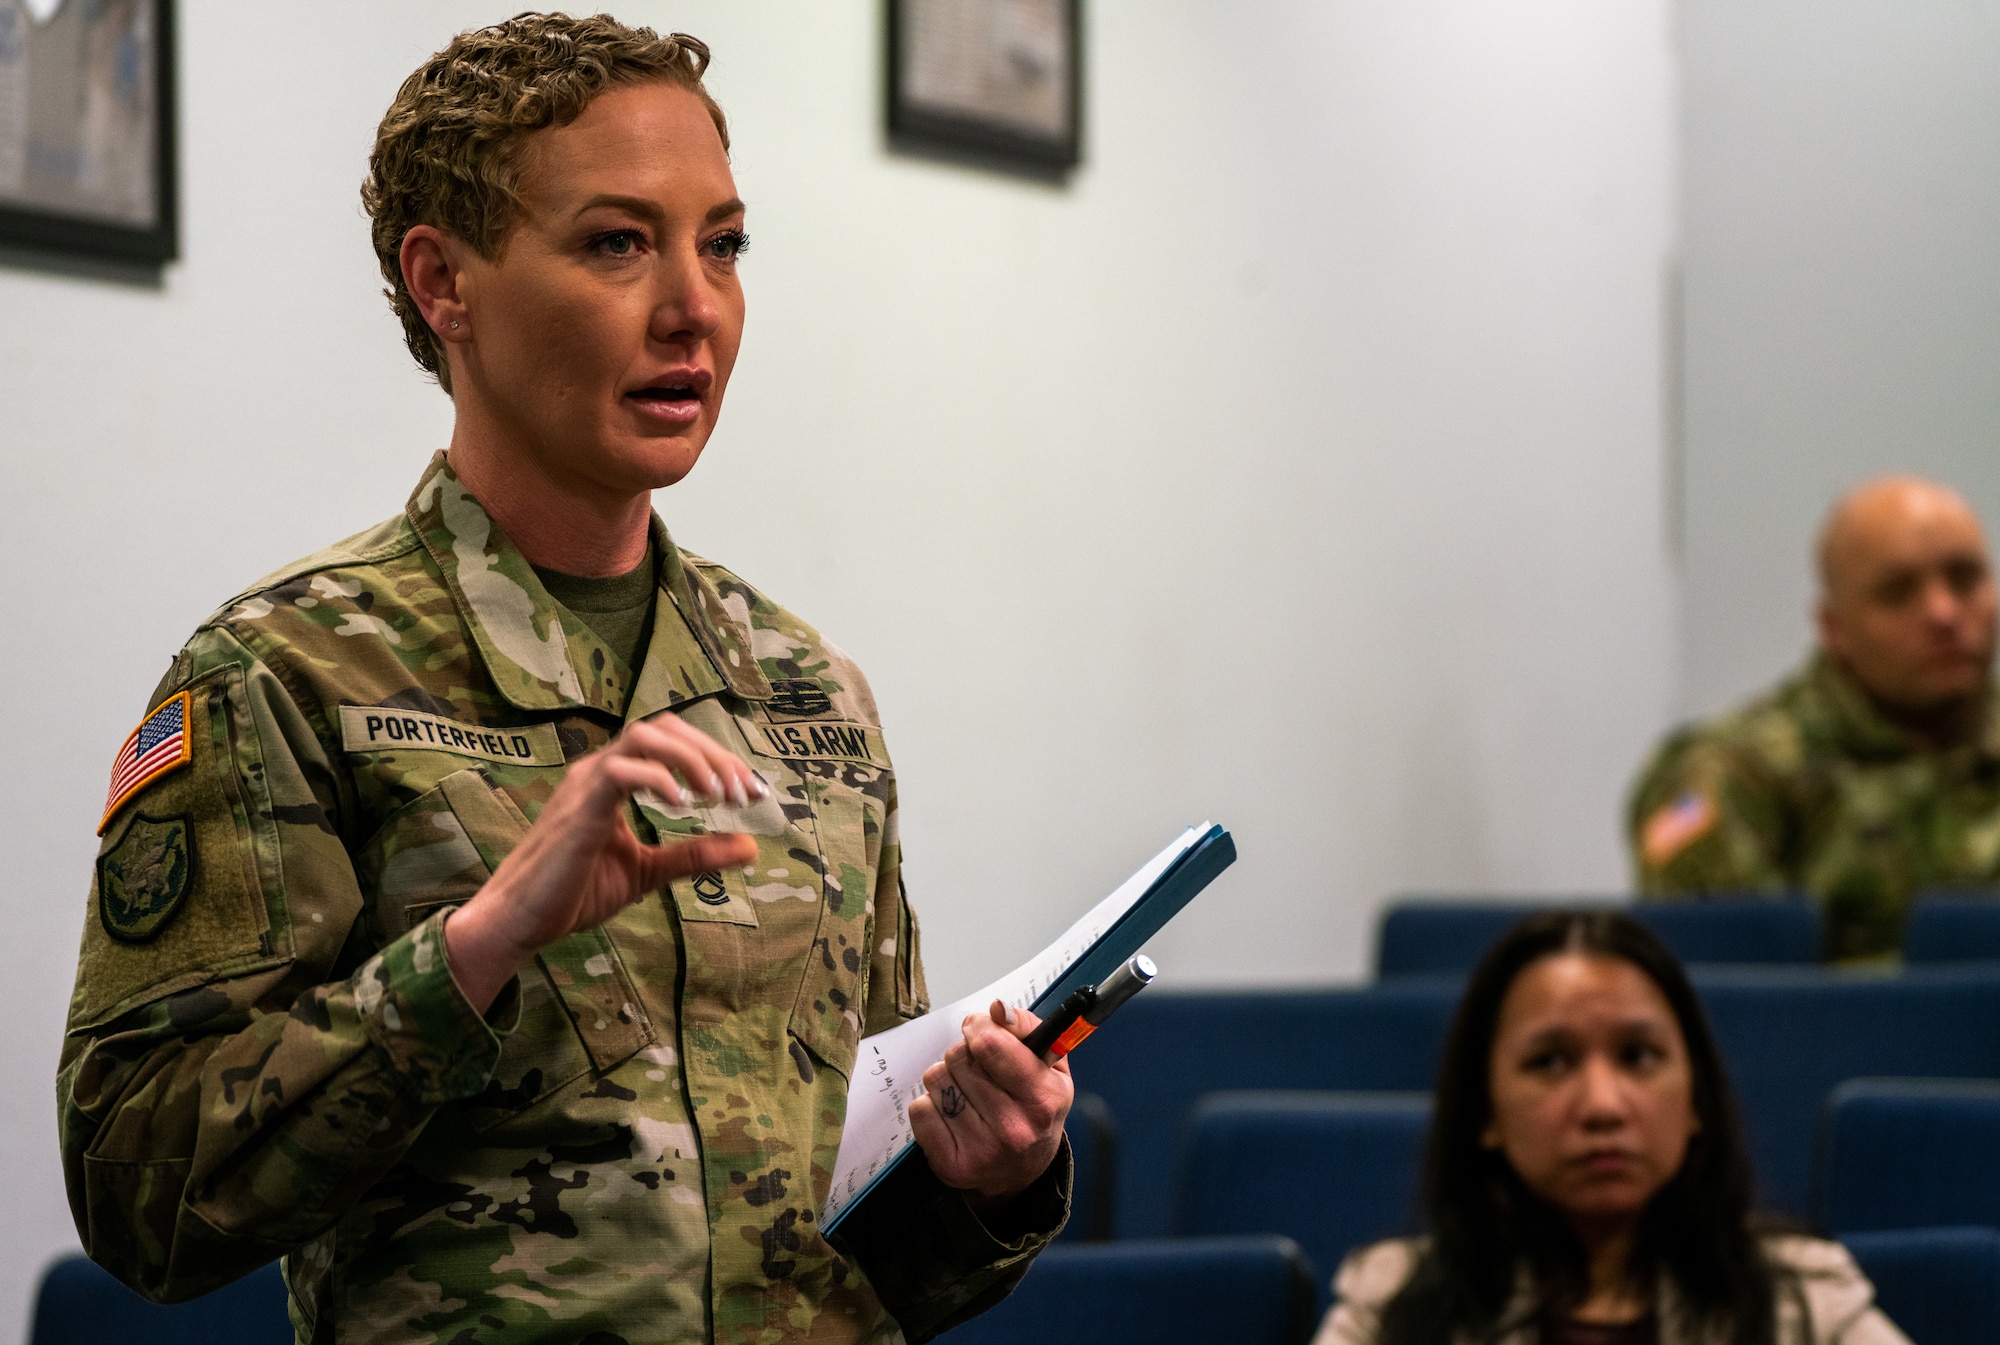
(159, 745)
(383, 728)
(141, 879)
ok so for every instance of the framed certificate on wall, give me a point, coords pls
(1000, 79)
(87, 128)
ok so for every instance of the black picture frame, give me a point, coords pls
(927, 130)
(48, 231)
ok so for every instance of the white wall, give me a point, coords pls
(1843, 302)
(1298, 465)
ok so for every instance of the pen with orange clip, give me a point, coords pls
(1086, 1009)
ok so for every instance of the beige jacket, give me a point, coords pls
(1824, 1299)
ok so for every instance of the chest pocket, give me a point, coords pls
(792, 934)
(833, 993)
(579, 1009)
(848, 802)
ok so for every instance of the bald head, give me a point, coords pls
(1906, 595)
(1881, 516)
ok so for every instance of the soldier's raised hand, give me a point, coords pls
(580, 864)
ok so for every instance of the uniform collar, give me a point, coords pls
(539, 661)
(700, 645)
(1855, 720)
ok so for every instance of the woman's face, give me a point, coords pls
(603, 334)
(1593, 1097)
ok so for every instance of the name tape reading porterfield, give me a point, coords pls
(382, 728)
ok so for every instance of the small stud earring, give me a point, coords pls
(454, 326)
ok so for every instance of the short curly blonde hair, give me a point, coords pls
(447, 153)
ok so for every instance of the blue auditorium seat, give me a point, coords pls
(79, 1303)
(1953, 928)
(1167, 1048)
(1940, 1285)
(1244, 1291)
(1331, 1171)
(1093, 1141)
(1762, 930)
(1430, 936)
(1908, 1153)
(1789, 1035)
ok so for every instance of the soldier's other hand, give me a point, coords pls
(580, 864)
(991, 1116)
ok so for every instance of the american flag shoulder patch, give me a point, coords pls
(1676, 825)
(158, 746)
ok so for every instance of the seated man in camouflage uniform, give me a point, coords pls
(490, 906)
(1874, 773)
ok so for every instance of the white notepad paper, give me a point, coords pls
(889, 1069)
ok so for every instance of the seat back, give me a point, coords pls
(1940, 1285)
(1908, 1153)
(1248, 1291)
(1166, 1049)
(80, 1303)
(1331, 1171)
(1789, 1035)
(1093, 1142)
(1429, 936)
(1953, 929)
(1432, 936)
(1770, 931)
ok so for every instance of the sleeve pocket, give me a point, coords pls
(174, 896)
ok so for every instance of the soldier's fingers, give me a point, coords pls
(1020, 1022)
(667, 746)
(686, 754)
(737, 782)
(661, 864)
(626, 776)
(1019, 1121)
(705, 764)
(954, 1103)
(938, 1142)
(1009, 1123)
(599, 784)
(1001, 1057)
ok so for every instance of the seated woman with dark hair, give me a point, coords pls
(1586, 1181)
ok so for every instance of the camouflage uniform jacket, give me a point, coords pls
(266, 1053)
(1811, 789)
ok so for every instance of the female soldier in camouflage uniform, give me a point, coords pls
(490, 905)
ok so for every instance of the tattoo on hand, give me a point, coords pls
(949, 1101)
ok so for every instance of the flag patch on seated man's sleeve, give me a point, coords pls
(1675, 826)
(160, 744)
